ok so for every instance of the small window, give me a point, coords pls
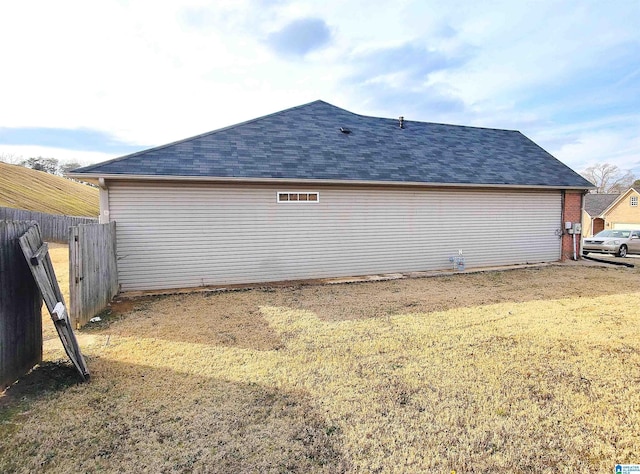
(634, 201)
(298, 196)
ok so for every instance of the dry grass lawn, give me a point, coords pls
(534, 370)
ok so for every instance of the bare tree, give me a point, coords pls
(608, 178)
(10, 158)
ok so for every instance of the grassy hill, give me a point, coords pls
(24, 188)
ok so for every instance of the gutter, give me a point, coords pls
(100, 178)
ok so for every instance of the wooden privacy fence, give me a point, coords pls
(93, 272)
(53, 228)
(20, 307)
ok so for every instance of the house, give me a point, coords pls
(317, 191)
(611, 211)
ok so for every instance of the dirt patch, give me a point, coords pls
(230, 319)
(461, 290)
(234, 316)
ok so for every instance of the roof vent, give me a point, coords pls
(345, 130)
(401, 119)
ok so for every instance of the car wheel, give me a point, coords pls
(622, 252)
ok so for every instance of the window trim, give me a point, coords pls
(297, 201)
(633, 201)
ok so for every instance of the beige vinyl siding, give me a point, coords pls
(189, 235)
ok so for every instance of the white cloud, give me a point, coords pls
(154, 72)
(616, 148)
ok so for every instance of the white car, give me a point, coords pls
(616, 242)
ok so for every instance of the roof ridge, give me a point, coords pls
(405, 120)
(202, 135)
(273, 114)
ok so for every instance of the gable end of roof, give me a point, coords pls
(621, 197)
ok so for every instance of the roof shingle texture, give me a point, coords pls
(595, 204)
(305, 142)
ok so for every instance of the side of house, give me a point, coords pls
(173, 236)
(317, 191)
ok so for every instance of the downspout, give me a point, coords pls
(575, 250)
(584, 193)
(562, 229)
(103, 218)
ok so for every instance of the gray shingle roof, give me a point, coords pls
(305, 142)
(595, 204)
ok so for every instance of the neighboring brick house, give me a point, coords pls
(316, 191)
(611, 211)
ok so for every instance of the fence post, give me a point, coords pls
(74, 275)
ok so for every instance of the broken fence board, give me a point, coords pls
(44, 275)
(39, 254)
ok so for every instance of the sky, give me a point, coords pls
(90, 81)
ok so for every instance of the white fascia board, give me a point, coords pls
(213, 179)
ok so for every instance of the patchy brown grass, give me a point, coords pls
(228, 321)
(533, 370)
(380, 299)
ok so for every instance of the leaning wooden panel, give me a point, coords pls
(36, 253)
(20, 307)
